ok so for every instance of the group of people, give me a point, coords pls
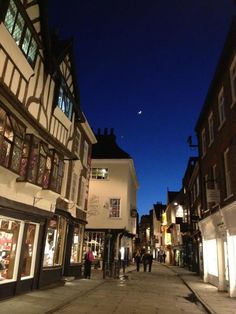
(146, 258)
(141, 257)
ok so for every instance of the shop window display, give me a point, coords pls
(29, 251)
(76, 248)
(95, 240)
(55, 239)
(9, 233)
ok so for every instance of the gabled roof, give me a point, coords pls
(107, 148)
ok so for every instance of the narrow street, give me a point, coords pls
(160, 291)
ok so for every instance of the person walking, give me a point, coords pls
(149, 259)
(88, 263)
(137, 259)
(145, 261)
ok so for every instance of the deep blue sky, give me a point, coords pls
(158, 56)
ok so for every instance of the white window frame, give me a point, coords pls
(232, 80)
(221, 108)
(227, 174)
(211, 128)
(203, 137)
(113, 209)
(100, 173)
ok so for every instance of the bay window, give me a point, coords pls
(12, 134)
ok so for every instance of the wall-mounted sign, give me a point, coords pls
(213, 195)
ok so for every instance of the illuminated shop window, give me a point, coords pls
(9, 233)
(94, 240)
(12, 134)
(99, 173)
(55, 240)
(29, 251)
(21, 33)
(77, 241)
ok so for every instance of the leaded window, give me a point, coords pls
(114, 208)
(64, 101)
(21, 33)
(12, 134)
(57, 173)
(99, 173)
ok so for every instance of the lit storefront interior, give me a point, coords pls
(18, 248)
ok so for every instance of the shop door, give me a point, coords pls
(27, 257)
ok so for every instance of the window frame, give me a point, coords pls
(203, 142)
(25, 30)
(114, 208)
(18, 131)
(211, 128)
(228, 185)
(221, 108)
(232, 71)
(64, 100)
(96, 176)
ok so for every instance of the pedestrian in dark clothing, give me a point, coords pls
(150, 259)
(137, 260)
(164, 257)
(88, 263)
(145, 261)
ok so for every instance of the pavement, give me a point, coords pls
(49, 300)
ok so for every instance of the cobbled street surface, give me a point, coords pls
(160, 291)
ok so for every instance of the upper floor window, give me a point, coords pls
(85, 156)
(76, 144)
(211, 128)
(21, 33)
(57, 173)
(233, 79)
(100, 173)
(36, 162)
(221, 107)
(64, 102)
(81, 199)
(227, 173)
(114, 208)
(203, 142)
(12, 134)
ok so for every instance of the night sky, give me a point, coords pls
(154, 56)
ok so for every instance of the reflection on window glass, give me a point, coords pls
(21, 33)
(9, 232)
(54, 246)
(28, 249)
(76, 248)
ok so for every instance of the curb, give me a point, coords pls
(201, 301)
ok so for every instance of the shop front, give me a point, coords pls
(74, 249)
(20, 246)
(215, 252)
(54, 249)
